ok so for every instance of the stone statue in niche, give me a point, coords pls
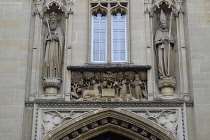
(164, 42)
(164, 46)
(53, 55)
(108, 86)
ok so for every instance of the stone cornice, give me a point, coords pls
(56, 103)
(105, 67)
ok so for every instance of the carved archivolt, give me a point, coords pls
(114, 120)
(132, 119)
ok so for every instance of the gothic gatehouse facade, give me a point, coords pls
(106, 69)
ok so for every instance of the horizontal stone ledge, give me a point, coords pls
(107, 104)
(109, 67)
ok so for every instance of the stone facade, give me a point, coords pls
(135, 97)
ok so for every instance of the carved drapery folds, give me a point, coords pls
(108, 84)
(166, 20)
(164, 45)
(53, 54)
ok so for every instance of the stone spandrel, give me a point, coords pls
(109, 83)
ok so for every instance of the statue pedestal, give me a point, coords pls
(51, 91)
(167, 85)
(167, 90)
(51, 86)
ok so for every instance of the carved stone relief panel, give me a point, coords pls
(109, 85)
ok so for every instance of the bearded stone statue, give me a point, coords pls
(53, 53)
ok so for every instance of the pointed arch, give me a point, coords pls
(110, 120)
(99, 7)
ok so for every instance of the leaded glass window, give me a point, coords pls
(119, 47)
(99, 35)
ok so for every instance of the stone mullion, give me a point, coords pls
(128, 34)
(109, 35)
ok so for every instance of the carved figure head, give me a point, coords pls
(93, 82)
(137, 77)
(53, 20)
(104, 83)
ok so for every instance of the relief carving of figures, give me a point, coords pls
(53, 54)
(94, 92)
(108, 86)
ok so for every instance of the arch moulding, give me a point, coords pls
(110, 120)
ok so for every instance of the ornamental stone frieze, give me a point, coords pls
(108, 83)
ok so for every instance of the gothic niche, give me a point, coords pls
(109, 85)
(164, 46)
(53, 46)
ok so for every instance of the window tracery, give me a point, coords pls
(109, 31)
